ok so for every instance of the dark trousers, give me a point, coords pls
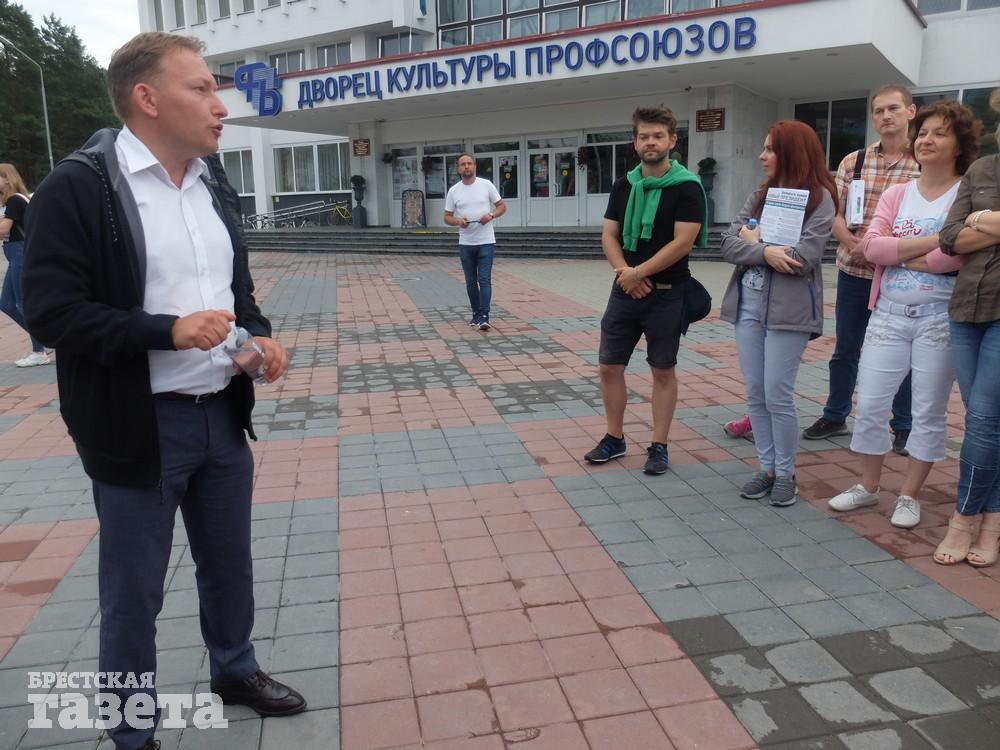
(477, 264)
(207, 473)
(852, 321)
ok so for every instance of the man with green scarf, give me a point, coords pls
(656, 213)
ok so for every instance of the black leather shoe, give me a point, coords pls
(266, 696)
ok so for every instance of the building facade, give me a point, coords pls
(541, 91)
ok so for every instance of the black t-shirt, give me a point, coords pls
(14, 210)
(683, 202)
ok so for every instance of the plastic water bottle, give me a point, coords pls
(247, 354)
(751, 223)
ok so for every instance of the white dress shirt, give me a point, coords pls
(189, 262)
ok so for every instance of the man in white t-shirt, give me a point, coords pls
(472, 205)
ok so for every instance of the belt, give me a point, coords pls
(912, 311)
(658, 285)
(199, 398)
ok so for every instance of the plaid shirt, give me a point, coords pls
(877, 176)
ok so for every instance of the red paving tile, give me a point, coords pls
(530, 704)
(519, 662)
(633, 730)
(602, 693)
(445, 671)
(462, 714)
(700, 726)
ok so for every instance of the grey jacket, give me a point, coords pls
(791, 301)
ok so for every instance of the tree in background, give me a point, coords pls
(74, 85)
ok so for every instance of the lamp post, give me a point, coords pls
(45, 106)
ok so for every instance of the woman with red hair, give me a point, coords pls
(775, 300)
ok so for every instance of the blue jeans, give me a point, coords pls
(477, 263)
(208, 473)
(770, 361)
(852, 321)
(976, 351)
(11, 299)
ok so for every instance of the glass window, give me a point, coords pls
(246, 157)
(978, 100)
(328, 168)
(623, 135)
(486, 8)
(922, 100)
(507, 184)
(158, 14)
(305, 169)
(289, 62)
(333, 54)
(539, 175)
(522, 26)
(233, 165)
(683, 6)
(938, 6)
(643, 8)
(400, 44)
(981, 4)
(599, 13)
(455, 37)
(178, 14)
(485, 148)
(273, 3)
(817, 116)
(848, 123)
(555, 2)
(404, 171)
(559, 20)
(600, 168)
(450, 148)
(224, 9)
(487, 32)
(283, 170)
(201, 12)
(452, 11)
(515, 6)
(553, 142)
(248, 6)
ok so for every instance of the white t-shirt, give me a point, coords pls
(918, 217)
(471, 202)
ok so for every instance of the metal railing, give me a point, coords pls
(317, 213)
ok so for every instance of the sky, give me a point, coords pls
(102, 25)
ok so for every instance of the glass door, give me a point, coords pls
(552, 197)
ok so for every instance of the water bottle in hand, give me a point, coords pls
(247, 354)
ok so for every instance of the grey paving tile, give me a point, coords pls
(739, 673)
(708, 570)
(636, 553)
(879, 610)
(809, 557)
(826, 529)
(310, 590)
(778, 716)
(965, 729)
(308, 618)
(735, 596)
(857, 551)
(824, 618)
(972, 679)
(732, 543)
(893, 574)
(842, 581)
(982, 633)
(655, 577)
(841, 704)
(791, 588)
(300, 652)
(678, 604)
(766, 627)
(313, 729)
(684, 548)
(707, 635)
(915, 692)
(935, 602)
(891, 737)
(618, 533)
(755, 565)
(659, 528)
(805, 661)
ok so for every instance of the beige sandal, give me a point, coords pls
(957, 554)
(987, 555)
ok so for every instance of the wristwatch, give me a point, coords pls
(490, 214)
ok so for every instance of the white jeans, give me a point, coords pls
(894, 345)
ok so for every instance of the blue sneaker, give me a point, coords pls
(658, 461)
(609, 447)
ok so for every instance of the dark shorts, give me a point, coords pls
(658, 315)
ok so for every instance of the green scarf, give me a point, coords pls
(640, 212)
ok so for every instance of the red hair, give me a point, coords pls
(801, 164)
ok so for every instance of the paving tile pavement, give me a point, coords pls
(435, 566)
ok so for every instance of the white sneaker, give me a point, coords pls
(854, 498)
(33, 360)
(907, 513)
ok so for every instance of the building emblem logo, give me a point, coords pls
(261, 84)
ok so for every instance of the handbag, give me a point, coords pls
(697, 303)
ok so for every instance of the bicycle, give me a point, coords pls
(341, 213)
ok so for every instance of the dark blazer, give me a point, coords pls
(84, 282)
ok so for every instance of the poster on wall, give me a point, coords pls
(404, 175)
(414, 214)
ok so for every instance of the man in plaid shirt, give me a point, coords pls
(886, 163)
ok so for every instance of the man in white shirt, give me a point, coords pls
(472, 205)
(136, 257)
